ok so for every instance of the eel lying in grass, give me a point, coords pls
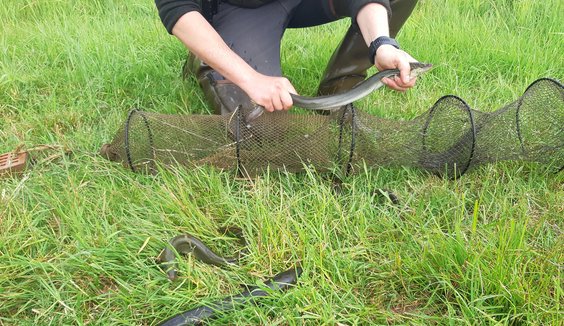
(199, 315)
(188, 244)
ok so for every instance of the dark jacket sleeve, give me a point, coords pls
(350, 8)
(170, 11)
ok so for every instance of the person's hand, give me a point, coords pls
(272, 93)
(388, 57)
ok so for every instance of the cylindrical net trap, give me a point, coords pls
(449, 139)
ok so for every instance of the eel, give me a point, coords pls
(188, 244)
(327, 102)
(199, 315)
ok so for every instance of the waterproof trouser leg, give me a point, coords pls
(348, 65)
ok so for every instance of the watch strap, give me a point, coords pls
(378, 42)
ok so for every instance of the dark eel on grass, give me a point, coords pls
(199, 315)
(186, 244)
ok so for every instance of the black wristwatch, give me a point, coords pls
(382, 40)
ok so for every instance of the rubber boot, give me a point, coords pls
(347, 66)
(222, 95)
(349, 63)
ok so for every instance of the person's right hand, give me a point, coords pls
(388, 57)
(272, 93)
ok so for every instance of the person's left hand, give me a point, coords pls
(388, 57)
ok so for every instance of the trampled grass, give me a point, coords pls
(79, 235)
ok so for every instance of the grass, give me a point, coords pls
(78, 235)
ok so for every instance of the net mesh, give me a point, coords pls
(448, 139)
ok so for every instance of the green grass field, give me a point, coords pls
(79, 235)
